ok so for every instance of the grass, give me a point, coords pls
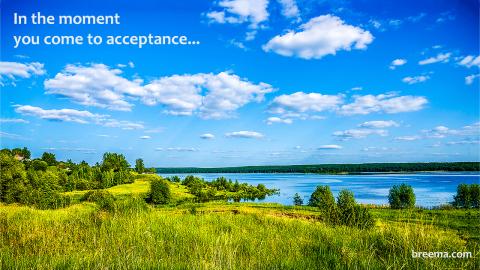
(221, 235)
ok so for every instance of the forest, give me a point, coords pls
(335, 168)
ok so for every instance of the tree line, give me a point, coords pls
(335, 168)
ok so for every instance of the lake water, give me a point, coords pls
(431, 189)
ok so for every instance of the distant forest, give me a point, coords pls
(335, 168)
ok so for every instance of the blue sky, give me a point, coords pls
(271, 82)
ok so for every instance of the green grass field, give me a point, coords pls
(221, 235)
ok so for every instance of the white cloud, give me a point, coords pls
(205, 94)
(463, 142)
(10, 136)
(359, 133)
(441, 57)
(397, 62)
(64, 115)
(471, 78)
(223, 94)
(244, 134)
(415, 79)
(96, 85)
(289, 8)
(207, 136)
(272, 120)
(379, 124)
(320, 36)
(145, 137)
(388, 103)
(470, 61)
(71, 115)
(131, 64)
(253, 12)
(12, 70)
(13, 120)
(356, 88)
(408, 138)
(329, 146)
(301, 102)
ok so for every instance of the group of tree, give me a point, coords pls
(335, 168)
(222, 188)
(40, 182)
(468, 196)
(140, 167)
(343, 211)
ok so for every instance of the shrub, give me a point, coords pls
(159, 192)
(468, 196)
(103, 198)
(322, 197)
(401, 197)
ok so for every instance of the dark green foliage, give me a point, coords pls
(345, 212)
(49, 158)
(115, 162)
(39, 165)
(401, 197)
(468, 196)
(103, 198)
(159, 192)
(21, 152)
(297, 200)
(139, 166)
(335, 168)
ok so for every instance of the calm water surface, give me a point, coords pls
(431, 189)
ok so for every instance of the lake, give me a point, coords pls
(431, 189)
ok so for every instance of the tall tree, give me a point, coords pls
(139, 167)
(49, 158)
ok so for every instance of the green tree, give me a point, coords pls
(139, 167)
(468, 196)
(49, 158)
(159, 192)
(22, 152)
(297, 200)
(39, 165)
(115, 162)
(401, 197)
(322, 197)
(347, 207)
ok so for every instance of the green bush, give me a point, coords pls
(401, 197)
(103, 198)
(297, 200)
(159, 192)
(468, 196)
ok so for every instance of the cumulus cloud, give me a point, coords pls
(13, 70)
(388, 103)
(289, 8)
(359, 133)
(415, 79)
(77, 116)
(223, 94)
(329, 146)
(253, 12)
(207, 136)
(320, 36)
(379, 124)
(13, 120)
(96, 85)
(441, 57)
(145, 137)
(471, 78)
(397, 62)
(301, 102)
(470, 61)
(205, 94)
(244, 134)
(272, 120)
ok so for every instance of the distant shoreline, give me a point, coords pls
(347, 169)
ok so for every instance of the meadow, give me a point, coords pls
(225, 235)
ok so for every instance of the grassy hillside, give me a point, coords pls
(220, 235)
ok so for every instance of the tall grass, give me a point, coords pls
(216, 236)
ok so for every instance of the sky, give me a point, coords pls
(270, 82)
